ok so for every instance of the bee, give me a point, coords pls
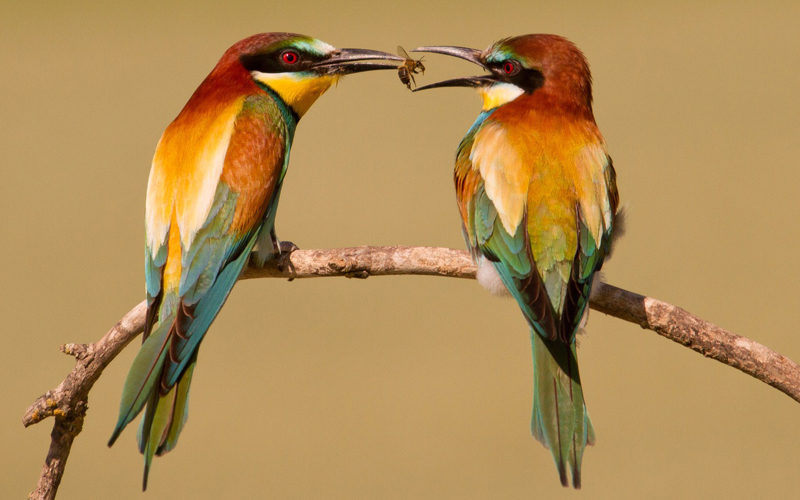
(409, 68)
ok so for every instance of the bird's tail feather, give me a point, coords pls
(143, 377)
(560, 420)
(163, 420)
(164, 413)
(159, 379)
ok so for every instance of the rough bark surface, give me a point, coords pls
(701, 336)
(67, 403)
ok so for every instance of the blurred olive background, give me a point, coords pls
(407, 387)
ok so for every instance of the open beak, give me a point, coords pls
(472, 55)
(349, 61)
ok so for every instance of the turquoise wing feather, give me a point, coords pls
(589, 256)
(486, 236)
(559, 417)
(167, 356)
(179, 315)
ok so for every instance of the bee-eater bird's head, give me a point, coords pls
(297, 68)
(548, 66)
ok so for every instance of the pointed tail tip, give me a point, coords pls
(576, 479)
(562, 474)
(121, 424)
(114, 437)
(144, 477)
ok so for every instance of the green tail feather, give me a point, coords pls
(163, 420)
(560, 420)
(164, 414)
(158, 365)
(143, 377)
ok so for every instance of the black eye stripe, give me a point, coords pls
(263, 63)
(274, 62)
(527, 79)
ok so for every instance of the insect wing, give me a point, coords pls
(402, 53)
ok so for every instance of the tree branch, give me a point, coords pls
(68, 402)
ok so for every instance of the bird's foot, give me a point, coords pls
(287, 247)
(285, 256)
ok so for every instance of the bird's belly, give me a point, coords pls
(489, 279)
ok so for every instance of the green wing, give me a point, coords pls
(589, 256)
(510, 254)
(179, 314)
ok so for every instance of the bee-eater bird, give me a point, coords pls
(212, 195)
(537, 195)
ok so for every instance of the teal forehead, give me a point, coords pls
(498, 54)
(308, 45)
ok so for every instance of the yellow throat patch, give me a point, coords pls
(498, 94)
(296, 90)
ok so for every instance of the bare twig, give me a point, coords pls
(699, 335)
(67, 402)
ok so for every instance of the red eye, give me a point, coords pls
(510, 67)
(290, 57)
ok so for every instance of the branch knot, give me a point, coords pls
(79, 351)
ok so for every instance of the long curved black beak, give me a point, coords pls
(474, 56)
(471, 55)
(467, 81)
(349, 61)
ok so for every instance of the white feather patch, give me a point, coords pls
(490, 280)
(598, 280)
